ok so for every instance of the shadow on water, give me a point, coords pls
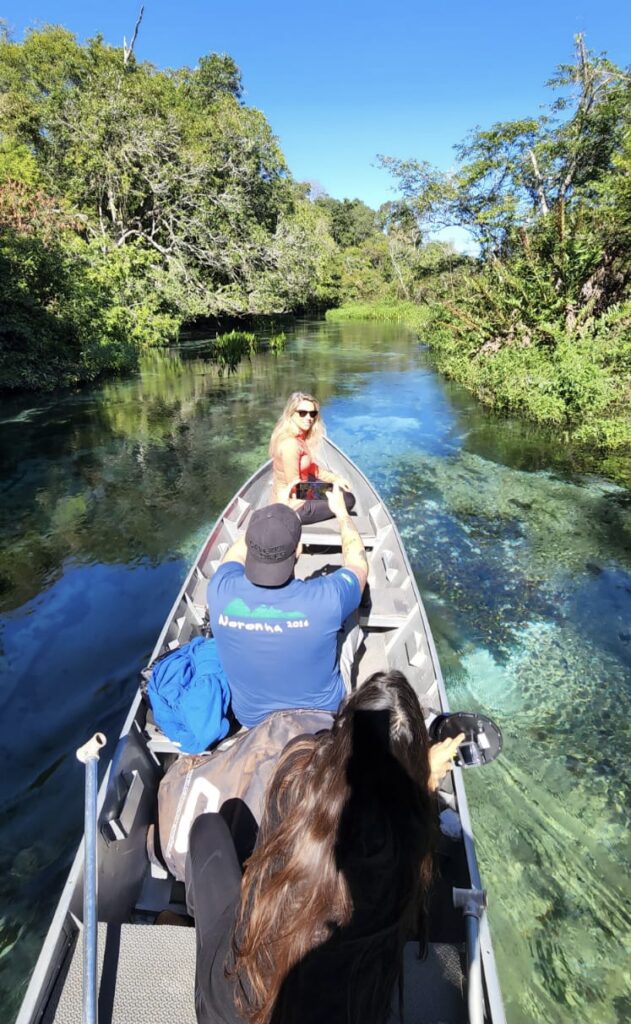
(523, 561)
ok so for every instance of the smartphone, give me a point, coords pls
(312, 490)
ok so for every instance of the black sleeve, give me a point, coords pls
(213, 884)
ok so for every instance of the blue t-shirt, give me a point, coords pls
(278, 646)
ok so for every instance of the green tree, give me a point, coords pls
(180, 200)
(215, 74)
(351, 220)
(541, 322)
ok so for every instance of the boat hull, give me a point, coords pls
(132, 890)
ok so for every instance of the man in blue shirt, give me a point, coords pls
(277, 636)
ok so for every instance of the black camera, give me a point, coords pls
(483, 738)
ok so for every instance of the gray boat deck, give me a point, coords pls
(149, 978)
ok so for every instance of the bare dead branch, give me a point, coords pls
(539, 182)
(128, 50)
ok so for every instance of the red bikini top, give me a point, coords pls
(307, 468)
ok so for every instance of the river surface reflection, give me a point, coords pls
(522, 558)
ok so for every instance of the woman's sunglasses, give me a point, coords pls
(308, 412)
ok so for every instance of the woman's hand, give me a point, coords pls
(441, 759)
(285, 495)
(344, 484)
(333, 478)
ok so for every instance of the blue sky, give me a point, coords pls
(341, 82)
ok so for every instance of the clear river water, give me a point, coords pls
(522, 557)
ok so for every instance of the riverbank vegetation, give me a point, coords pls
(539, 322)
(134, 201)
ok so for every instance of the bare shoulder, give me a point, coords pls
(287, 445)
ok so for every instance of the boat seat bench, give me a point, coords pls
(385, 609)
(157, 742)
(327, 534)
(149, 978)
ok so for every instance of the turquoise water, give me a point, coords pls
(522, 558)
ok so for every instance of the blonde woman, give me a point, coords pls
(293, 448)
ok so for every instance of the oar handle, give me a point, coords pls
(90, 750)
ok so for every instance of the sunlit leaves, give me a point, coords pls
(158, 197)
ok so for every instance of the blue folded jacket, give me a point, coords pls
(190, 696)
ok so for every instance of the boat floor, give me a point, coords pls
(147, 977)
(147, 971)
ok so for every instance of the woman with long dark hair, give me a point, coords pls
(339, 878)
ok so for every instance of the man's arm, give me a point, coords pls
(236, 552)
(353, 550)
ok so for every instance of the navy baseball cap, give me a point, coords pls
(272, 536)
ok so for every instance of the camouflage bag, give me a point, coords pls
(232, 778)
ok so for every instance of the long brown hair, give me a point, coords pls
(285, 427)
(342, 865)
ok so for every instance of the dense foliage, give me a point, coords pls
(540, 322)
(132, 200)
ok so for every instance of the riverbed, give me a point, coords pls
(522, 557)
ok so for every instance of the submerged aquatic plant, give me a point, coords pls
(229, 349)
(277, 342)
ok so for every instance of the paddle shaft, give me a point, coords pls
(473, 904)
(89, 755)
